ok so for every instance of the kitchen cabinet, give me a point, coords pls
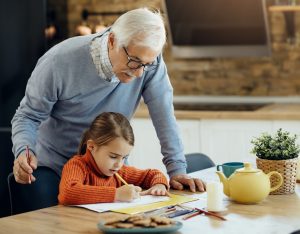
(222, 140)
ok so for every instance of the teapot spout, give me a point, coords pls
(224, 181)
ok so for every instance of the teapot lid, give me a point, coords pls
(248, 169)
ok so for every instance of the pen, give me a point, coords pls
(28, 159)
(120, 178)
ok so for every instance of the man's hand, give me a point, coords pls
(156, 190)
(22, 170)
(180, 181)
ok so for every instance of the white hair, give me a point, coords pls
(141, 27)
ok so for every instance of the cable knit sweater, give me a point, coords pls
(83, 183)
(65, 94)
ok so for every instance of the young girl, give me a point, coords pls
(91, 178)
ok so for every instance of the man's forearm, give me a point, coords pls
(24, 132)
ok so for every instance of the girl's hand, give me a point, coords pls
(156, 190)
(127, 193)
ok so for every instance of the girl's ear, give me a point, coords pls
(90, 145)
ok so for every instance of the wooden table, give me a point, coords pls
(276, 214)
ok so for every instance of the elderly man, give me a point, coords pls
(84, 76)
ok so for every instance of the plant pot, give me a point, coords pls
(298, 172)
(288, 170)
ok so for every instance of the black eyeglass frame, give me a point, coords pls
(146, 67)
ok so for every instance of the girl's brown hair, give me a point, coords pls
(106, 127)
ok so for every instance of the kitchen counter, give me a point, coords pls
(277, 111)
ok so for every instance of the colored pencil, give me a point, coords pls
(178, 213)
(28, 160)
(210, 213)
(191, 215)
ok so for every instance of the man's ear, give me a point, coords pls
(90, 145)
(111, 40)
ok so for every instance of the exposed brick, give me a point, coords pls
(276, 75)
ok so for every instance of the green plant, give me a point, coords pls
(278, 147)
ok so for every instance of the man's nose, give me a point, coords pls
(139, 72)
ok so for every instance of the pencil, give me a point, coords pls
(168, 194)
(192, 215)
(211, 213)
(120, 178)
(28, 159)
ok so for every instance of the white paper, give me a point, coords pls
(101, 207)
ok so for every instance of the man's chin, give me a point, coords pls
(125, 78)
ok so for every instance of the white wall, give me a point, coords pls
(221, 140)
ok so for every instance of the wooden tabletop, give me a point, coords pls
(277, 111)
(276, 214)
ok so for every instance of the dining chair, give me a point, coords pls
(198, 161)
(39, 194)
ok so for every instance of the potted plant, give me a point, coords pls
(278, 153)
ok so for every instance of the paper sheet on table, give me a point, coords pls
(101, 207)
(173, 200)
(143, 204)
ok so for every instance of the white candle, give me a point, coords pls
(214, 196)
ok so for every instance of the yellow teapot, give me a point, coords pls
(249, 185)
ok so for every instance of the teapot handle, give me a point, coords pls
(280, 180)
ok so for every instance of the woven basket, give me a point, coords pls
(288, 170)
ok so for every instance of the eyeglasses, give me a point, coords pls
(134, 65)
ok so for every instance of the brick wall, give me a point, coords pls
(278, 75)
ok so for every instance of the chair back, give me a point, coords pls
(39, 194)
(198, 161)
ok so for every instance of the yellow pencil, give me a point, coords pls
(120, 178)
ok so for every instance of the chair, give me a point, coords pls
(198, 161)
(40, 194)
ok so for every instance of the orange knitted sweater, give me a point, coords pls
(83, 183)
